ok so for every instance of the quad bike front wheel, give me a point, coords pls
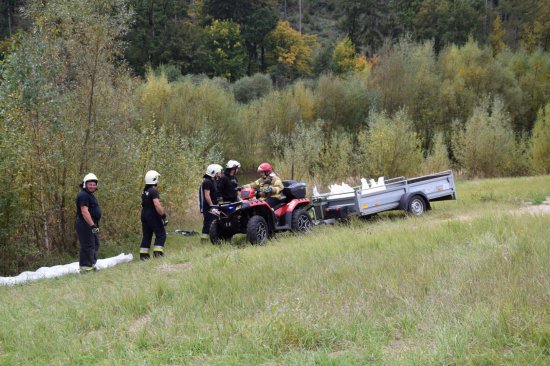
(217, 234)
(257, 231)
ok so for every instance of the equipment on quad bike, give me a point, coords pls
(257, 219)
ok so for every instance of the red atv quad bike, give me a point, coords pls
(257, 219)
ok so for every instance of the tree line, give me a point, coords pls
(70, 103)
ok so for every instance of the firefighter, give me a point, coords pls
(270, 185)
(229, 184)
(153, 217)
(208, 196)
(88, 214)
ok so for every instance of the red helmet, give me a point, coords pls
(265, 168)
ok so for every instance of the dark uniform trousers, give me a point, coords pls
(151, 222)
(89, 244)
(208, 219)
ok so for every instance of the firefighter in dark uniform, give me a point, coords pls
(208, 196)
(228, 182)
(153, 218)
(270, 185)
(88, 214)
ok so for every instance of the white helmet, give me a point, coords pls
(232, 164)
(152, 177)
(212, 169)
(87, 178)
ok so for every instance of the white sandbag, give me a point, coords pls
(61, 270)
(315, 192)
(372, 185)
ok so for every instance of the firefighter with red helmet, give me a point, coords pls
(269, 184)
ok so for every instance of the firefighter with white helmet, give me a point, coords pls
(88, 214)
(208, 196)
(228, 182)
(153, 217)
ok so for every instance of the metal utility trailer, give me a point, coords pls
(413, 195)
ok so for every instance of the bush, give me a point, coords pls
(390, 146)
(172, 72)
(438, 159)
(298, 156)
(540, 143)
(342, 103)
(486, 146)
(252, 87)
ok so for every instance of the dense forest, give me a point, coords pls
(326, 90)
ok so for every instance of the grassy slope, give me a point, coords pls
(468, 283)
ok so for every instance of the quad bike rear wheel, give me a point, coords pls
(301, 221)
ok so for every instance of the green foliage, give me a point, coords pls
(390, 146)
(298, 156)
(256, 20)
(468, 73)
(342, 102)
(162, 33)
(448, 21)
(227, 52)
(540, 144)
(438, 159)
(407, 75)
(171, 72)
(486, 145)
(252, 87)
(336, 161)
(188, 106)
(532, 72)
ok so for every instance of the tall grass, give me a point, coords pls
(465, 284)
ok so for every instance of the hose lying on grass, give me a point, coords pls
(61, 270)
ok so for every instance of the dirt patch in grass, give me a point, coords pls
(139, 324)
(542, 209)
(527, 209)
(175, 267)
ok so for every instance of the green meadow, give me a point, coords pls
(468, 283)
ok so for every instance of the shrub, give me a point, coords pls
(252, 87)
(342, 103)
(486, 146)
(298, 156)
(540, 143)
(438, 159)
(389, 146)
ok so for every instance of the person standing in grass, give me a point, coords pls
(88, 214)
(153, 218)
(229, 183)
(208, 196)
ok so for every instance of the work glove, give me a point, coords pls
(164, 220)
(95, 229)
(267, 190)
(238, 189)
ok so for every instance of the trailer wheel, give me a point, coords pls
(417, 205)
(216, 234)
(301, 221)
(256, 230)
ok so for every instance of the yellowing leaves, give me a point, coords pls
(289, 49)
